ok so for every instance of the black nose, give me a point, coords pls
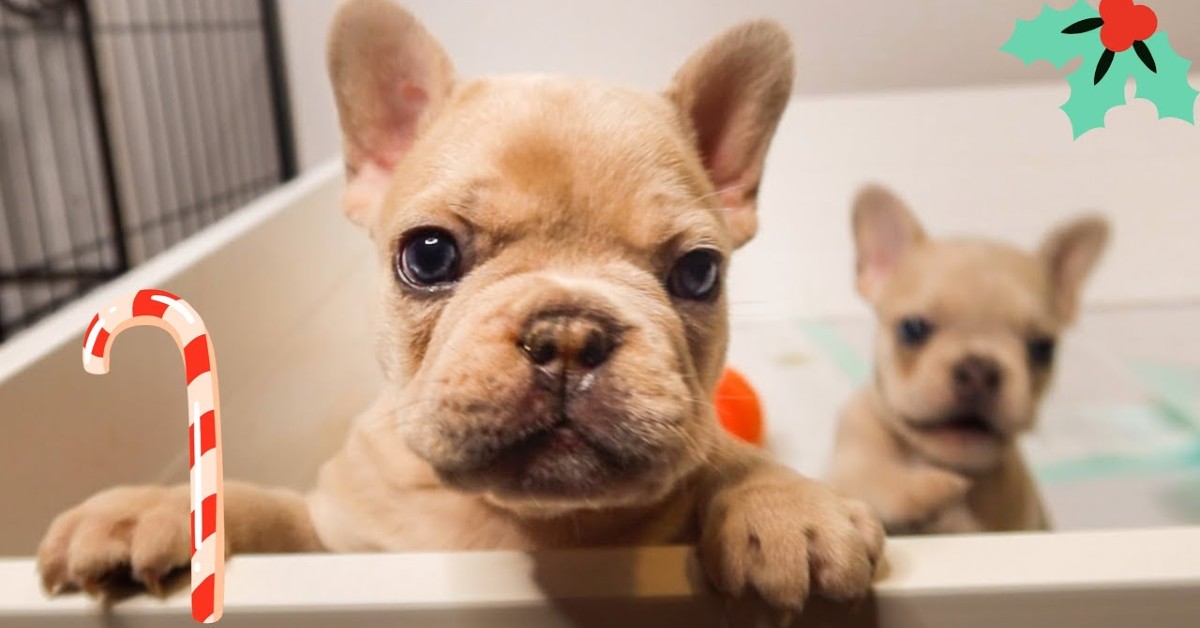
(977, 379)
(568, 341)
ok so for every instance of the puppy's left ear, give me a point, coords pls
(733, 92)
(1070, 253)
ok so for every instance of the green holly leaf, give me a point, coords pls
(1042, 38)
(1092, 94)
(1168, 88)
(1090, 101)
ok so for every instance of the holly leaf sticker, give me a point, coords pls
(1090, 101)
(1042, 38)
(1168, 87)
(1160, 74)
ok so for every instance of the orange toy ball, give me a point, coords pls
(738, 407)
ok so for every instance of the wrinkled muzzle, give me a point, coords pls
(543, 387)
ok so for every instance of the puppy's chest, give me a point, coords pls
(446, 520)
(1006, 500)
(367, 514)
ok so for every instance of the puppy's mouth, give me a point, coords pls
(561, 459)
(965, 425)
(560, 438)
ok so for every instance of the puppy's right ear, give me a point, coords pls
(1071, 252)
(884, 229)
(732, 94)
(390, 77)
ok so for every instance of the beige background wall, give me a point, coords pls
(843, 45)
(899, 91)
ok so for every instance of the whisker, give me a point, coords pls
(728, 188)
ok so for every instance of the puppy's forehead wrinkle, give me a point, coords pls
(599, 170)
(578, 283)
(971, 283)
(573, 151)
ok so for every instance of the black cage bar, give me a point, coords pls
(126, 126)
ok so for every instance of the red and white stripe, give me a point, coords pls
(167, 311)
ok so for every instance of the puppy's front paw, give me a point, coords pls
(116, 540)
(917, 505)
(787, 537)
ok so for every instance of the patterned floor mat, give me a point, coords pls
(1118, 441)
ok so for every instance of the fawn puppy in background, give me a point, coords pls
(964, 352)
(552, 322)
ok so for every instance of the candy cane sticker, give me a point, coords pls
(169, 312)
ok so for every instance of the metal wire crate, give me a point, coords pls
(125, 127)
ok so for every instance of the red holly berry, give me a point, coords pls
(1125, 23)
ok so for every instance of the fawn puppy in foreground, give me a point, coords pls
(552, 322)
(964, 352)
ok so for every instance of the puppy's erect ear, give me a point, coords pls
(1071, 252)
(389, 78)
(733, 92)
(884, 229)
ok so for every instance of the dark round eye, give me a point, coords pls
(1041, 351)
(913, 331)
(429, 258)
(696, 275)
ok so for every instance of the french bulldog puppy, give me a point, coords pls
(964, 352)
(552, 322)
